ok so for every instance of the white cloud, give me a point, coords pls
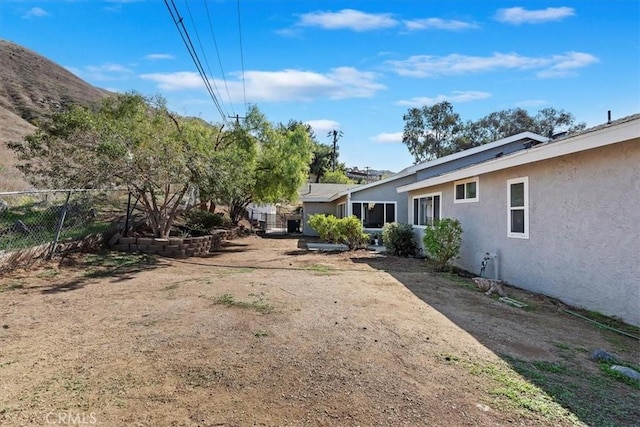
(104, 72)
(565, 65)
(289, 32)
(456, 64)
(283, 85)
(387, 138)
(519, 15)
(35, 12)
(322, 126)
(455, 97)
(348, 19)
(158, 56)
(181, 80)
(438, 24)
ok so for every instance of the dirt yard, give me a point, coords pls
(266, 333)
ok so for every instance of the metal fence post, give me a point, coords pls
(126, 221)
(60, 224)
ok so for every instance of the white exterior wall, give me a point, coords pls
(584, 228)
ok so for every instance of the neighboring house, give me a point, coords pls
(561, 218)
(378, 203)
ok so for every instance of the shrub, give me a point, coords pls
(344, 230)
(349, 231)
(324, 225)
(399, 240)
(442, 242)
(203, 220)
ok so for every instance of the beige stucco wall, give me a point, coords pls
(584, 229)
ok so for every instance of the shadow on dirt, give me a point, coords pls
(116, 266)
(546, 346)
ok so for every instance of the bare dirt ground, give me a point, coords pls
(267, 333)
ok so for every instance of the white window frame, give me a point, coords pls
(465, 182)
(523, 180)
(421, 196)
(344, 204)
(362, 202)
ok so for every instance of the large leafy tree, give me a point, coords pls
(435, 131)
(549, 120)
(322, 160)
(431, 132)
(130, 141)
(267, 163)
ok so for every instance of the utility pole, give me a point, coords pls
(237, 117)
(336, 135)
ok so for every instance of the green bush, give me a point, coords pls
(442, 242)
(349, 231)
(399, 240)
(344, 230)
(203, 220)
(325, 226)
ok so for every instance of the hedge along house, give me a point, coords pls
(379, 203)
(561, 218)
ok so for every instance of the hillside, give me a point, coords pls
(31, 88)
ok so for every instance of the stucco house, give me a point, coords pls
(559, 217)
(378, 203)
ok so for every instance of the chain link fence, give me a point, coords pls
(42, 219)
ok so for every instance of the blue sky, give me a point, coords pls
(354, 66)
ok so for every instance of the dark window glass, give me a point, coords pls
(517, 221)
(471, 190)
(459, 191)
(426, 207)
(375, 215)
(436, 208)
(356, 209)
(391, 212)
(517, 194)
(416, 216)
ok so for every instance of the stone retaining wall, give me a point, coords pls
(174, 247)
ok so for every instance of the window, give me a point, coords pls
(466, 191)
(374, 214)
(342, 210)
(518, 208)
(427, 209)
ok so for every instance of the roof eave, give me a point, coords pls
(581, 142)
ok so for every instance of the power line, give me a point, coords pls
(184, 34)
(244, 89)
(204, 53)
(215, 43)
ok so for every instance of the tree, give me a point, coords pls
(129, 141)
(336, 177)
(431, 132)
(321, 161)
(549, 120)
(505, 123)
(335, 135)
(266, 164)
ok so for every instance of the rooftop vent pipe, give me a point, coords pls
(609, 117)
